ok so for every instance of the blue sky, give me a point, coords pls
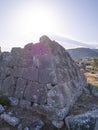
(76, 20)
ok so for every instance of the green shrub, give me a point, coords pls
(92, 72)
(87, 63)
(4, 101)
(96, 85)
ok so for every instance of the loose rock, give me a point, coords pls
(19, 127)
(10, 120)
(26, 128)
(93, 90)
(13, 101)
(58, 124)
(36, 125)
(86, 121)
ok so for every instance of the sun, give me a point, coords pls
(42, 22)
(38, 21)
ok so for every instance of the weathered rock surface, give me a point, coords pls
(43, 74)
(13, 101)
(36, 125)
(86, 121)
(20, 127)
(1, 109)
(27, 128)
(93, 90)
(10, 120)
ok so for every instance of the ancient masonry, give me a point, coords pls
(44, 74)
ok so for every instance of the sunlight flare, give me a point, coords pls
(38, 21)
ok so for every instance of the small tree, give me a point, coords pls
(95, 63)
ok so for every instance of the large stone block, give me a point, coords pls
(86, 121)
(35, 92)
(20, 88)
(8, 86)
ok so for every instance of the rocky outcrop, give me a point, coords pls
(86, 121)
(43, 74)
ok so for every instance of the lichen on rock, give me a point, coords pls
(43, 74)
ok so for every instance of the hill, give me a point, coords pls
(96, 50)
(83, 52)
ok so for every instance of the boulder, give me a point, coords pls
(86, 121)
(20, 127)
(58, 124)
(26, 128)
(36, 125)
(13, 101)
(93, 90)
(13, 121)
(43, 74)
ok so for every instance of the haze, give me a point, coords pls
(73, 23)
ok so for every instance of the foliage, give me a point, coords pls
(95, 62)
(4, 101)
(87, 63)
(92, 71)
(95, 84)
(78, 59)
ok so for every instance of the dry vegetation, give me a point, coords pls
(91, 78)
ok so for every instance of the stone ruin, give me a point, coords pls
(44, 74)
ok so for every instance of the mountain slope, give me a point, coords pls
(83, 52)
(96, 50)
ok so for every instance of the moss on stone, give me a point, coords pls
(4, 101)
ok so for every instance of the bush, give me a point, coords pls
(4, 101)
(92, 72)
(87, 63)
(96, 85)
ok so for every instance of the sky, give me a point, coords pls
(73, 23)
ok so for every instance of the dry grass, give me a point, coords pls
(91, 78)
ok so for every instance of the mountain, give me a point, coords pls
(83, 52)
(71, 43)
(96, 50)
